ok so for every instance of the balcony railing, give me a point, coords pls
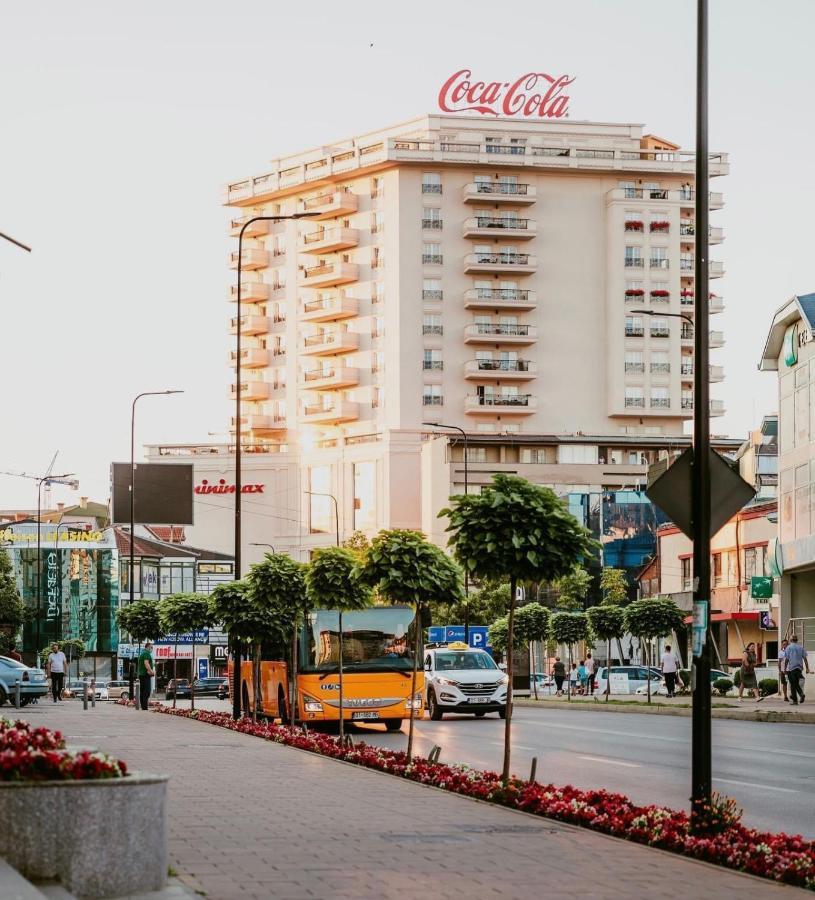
(658, 263)
(660, 368)
(433, 365)
(432, 259)
(431, 188)
(499, 294)
(502, 365)
(687, 403)
(687, 333)
(432, 329)
(686, 369)
(502, 188)
(500, 329)
(634, 262)
(658, 331)
(431, 400)
(634, 367)
(660, 403)
(432, 224)
(500, 399)
(432, 295)
(638, 402)
(502, 259)
(634, 331)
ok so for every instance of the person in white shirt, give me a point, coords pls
(670, 666)
(55, 669)
(591, 669)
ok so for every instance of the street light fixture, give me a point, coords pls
(256, 544)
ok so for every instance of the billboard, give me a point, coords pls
(162, 496)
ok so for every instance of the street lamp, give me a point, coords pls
(466, 491)
(256, 544)
(336, 509)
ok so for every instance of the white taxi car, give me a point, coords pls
(461, 679)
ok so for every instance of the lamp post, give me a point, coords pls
(336, 509)
(466, 491)
(132, 488)
(256, 544)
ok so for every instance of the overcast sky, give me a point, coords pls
(121, 122)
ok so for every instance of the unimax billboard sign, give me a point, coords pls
(533, 95)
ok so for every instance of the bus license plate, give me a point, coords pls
(479, 700)
(365, 715)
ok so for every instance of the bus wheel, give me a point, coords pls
(393, 724)
(281, 707)
(245, 699)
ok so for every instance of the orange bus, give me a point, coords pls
(377, 670)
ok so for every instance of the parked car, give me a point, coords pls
(715, 675)
(118, 690)
(629, 679)
(178, 688)
(33, 683)
(545, 682)
(223, 689)
(208, 687)
(75, 689)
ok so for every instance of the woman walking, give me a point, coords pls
(559, 672)
(748, 672)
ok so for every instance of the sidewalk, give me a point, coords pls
(251, 819)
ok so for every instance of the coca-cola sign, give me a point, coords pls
(536, 94)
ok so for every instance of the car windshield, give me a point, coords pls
(464, 659)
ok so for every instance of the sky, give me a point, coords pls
(122, 122)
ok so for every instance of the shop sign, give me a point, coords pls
(223, 488)
(761, 587)
(164, 652)
(219, 655)
(186, 637)
(63, 537)
(52, 591)
(535, 94)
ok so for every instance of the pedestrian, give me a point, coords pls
(796, 659)
(559, 673)
(670, 668)
(14, 653)
(146, 672)
(748, 672)
(55, 670)
(581, 676)
(591, 670)
(782, 669)
(573, 678)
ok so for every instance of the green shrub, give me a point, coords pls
(736, 677)
(684, 677)
(768, 686)
(722, 685)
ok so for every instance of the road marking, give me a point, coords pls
(752, 784)
(611, 762)
(627, 734)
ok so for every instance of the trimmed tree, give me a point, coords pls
(573, 588)
(141, 620)
(607, 624)
(614, 590)
(184, 612)
(517, 531)
(332, 583)
(652, 618)
(569, 628)
(404, 567)
(12, 608)
(532, 623)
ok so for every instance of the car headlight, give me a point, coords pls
(504, 679)
(447, 681)
(311, 705)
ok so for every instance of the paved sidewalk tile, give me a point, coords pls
(250, 819)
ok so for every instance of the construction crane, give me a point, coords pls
(46, 481)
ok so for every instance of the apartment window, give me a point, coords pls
(634, 326)
(538, 455)
(660, 328)
(577, 453)
(686, 262)
(279, 279)
(431, 289)
(493, 145)
(377, 187)
(364, 496)
(431, 218)
(379, 292)
(754, 559)
(635, 397)
(319, 483)
(377, 361)
(431, 254)
(476, 454)
(432, 325)
(659, 258)
(686, 573)
(633, 258)
(377, 326)
(431, 183)
(687, 399)
(377, 257)
(432, 361)
(634, 288)
(634, 361)
(630, 190)
(517, 146)
(377, 397)
(660, 398)
(718, 576)
(431, 395)
(660, 362)
(377, 221)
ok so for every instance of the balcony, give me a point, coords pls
(658, 331)
(500, 263)
(251, 357)
(500, 227)
(634, 331)
(250, 325)
(715, 304)
(251, 259)
(686, 371)
(717, 408)
(508, 404)
(331, 412)
(716, 200)
(260, 424)
(637, 368)
(329, 274)
(686, 334)
(250, 390)
(251, 291)
(328, 240)
(499, 298)
(660, 403)
(330, 205)
(256, 229)
(634, 262)
(716, 374)
(716, 269)
(329, 309)
(660, 368)
(489, 333)
(330, 377)
(659, 263)
(499, 192)
(500, 369)
(716, 339)
(327, 342)
(635, 402)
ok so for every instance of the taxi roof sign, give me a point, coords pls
(458, 645)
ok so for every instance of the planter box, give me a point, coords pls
(99, 838)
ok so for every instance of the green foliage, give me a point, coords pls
(614, 586)
(498, 636)
(184, 612)
(653, 618)
(277, 589)
(12, 608)
(357, 543)
(532, 623)
(484, 606)
(607, 622)
(684, 677)
(569, 627)
(332, 581)
(722, 686)
(231, 605)
(515, 529)
(767, 686)
(572, 588)
(737, 677)
(404, 567)
(73, 649)
(141, 620)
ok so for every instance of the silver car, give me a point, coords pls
(33, 683)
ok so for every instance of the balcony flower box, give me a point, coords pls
(687, 294)
(660, 294)
(634, 292)
(660, 226)
(634, 225)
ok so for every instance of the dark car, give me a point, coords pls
(178, 688)
(223, 689)
(208, 687)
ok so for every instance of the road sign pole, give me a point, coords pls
(701, 774)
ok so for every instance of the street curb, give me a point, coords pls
(753, 715)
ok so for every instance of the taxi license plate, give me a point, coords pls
(478, 699)
(365, 715)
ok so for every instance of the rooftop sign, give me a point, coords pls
(536, 94)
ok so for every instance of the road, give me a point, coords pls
(769, 768)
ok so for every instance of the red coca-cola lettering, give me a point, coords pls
(223, 488)
(517, 98)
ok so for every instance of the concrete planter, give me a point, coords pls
(97, 838)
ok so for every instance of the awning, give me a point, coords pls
(751, 616)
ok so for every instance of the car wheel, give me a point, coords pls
(502, 712)
(480, 715)
(3, 696)
(125, 695)
(24, 701)
(393, 724)
(433, 707)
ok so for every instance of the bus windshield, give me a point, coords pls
(374, 640)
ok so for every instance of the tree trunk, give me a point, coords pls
(175, 672)
(608, 669)
(339, 672)
(648, 669)
(192, 673)
(293, 700)
(533, 668)
(257, 693)
(623, 660)
(569, 677)
(417, 650)
(505, 772)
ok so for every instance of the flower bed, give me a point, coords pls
(38, 754)
(780, 857)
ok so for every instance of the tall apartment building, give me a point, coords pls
(479, 273)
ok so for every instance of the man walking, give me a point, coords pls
(55, 669)
(146, 672)
(670, 666)
(590, 672)
(796, 659)
(782, 668)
